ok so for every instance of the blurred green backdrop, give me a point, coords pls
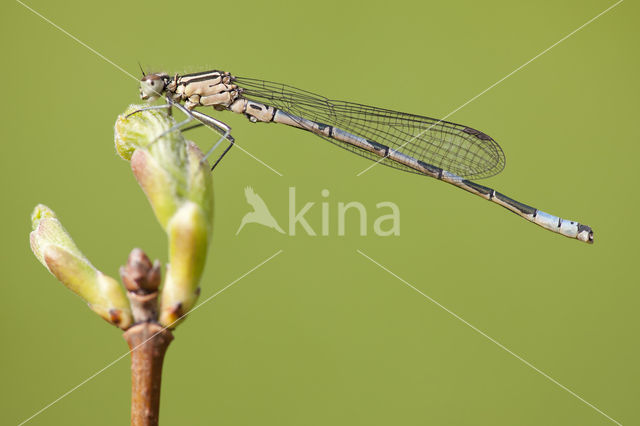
(320, 335)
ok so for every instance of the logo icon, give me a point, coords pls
(260, 213)
(339, 212)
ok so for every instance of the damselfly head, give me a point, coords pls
(152, 86)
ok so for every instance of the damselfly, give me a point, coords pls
(450, 152)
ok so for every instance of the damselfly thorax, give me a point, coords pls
(443, 150)
(209, 88)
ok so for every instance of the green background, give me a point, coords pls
(320, 335)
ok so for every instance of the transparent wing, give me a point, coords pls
(459, 149)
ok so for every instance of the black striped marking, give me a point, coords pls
(525, 209)
(479, 188)
(379, 147)
(196, 74)
(432, 169)
(195, 78)
(584, 228)
(321, 126)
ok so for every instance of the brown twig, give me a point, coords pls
(148, 340)
(148, 343)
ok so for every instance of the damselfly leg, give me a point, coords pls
(205, 120)
(208, 121)
(218, 126)
(222, 155)
(163, 106)
(195, 126)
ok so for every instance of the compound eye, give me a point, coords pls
(151, 87)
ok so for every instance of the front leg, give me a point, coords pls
(220, 127)
(214, 124)
(170, 103)
(163, 106)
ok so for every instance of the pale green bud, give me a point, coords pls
(188, 241)
(157, 184)
(200, 183)
(169, 169)
(55, 249)
(141, 128)
(179, 187)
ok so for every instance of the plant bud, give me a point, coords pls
(55, 249)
